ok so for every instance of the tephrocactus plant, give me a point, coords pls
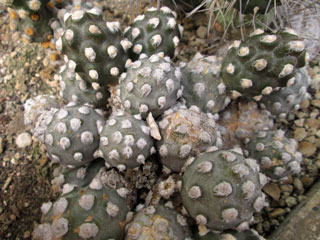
(171, 116)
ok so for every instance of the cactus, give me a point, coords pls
(230, 235)
(125, 141)
(93, 212)
(83, 175)
(288, 98)
(239, 123)
(154, 32)
(222, 189)
(157, 222)
(150, 85)
(71, 134)
(276, 154)
(95, 46)
(75, 89)
(32, 18)
(262, 63)
(185, 133)
(202, 85)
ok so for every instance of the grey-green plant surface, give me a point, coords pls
(94, 212)
(96, 47)
(222, 189)
(125, 141)
(202, 84)
(154, 32)
(230, 235)
(75, 89)
(185, 133)
(157, 222)
(277, 155)
(240, 122)
(151, 84)
(71, 134)
(286, 99)
(83, 175)
(262, 63)
(31, 17)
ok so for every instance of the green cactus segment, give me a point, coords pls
(95, 46)
(276, 154)
(82, 176)
(84, 214)
(125, 141)
(72, 134)
(75, 89)
(156, 31)
(157, 222)
(230, 235)
(288, 98)
(202, 86)
(185, 133)
(240, 123)
(262, 63)
(222, 190)
(150, 85)
(248, 6)
(32, 18)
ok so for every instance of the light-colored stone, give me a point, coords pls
(202, 32)
(307, 148)
(300, 134)
(316, 103)
(23, 140)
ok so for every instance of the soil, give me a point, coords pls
(28, 70)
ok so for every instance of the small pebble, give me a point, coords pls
(316, 103)
(202, 32)
(23, 140)
(307, 148)
(1, 145)
(286, 188)
(291, 201)
(273, 190)
(298, 186)
(299, 134)
(277, 212)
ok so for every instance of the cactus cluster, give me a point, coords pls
(176, 113)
